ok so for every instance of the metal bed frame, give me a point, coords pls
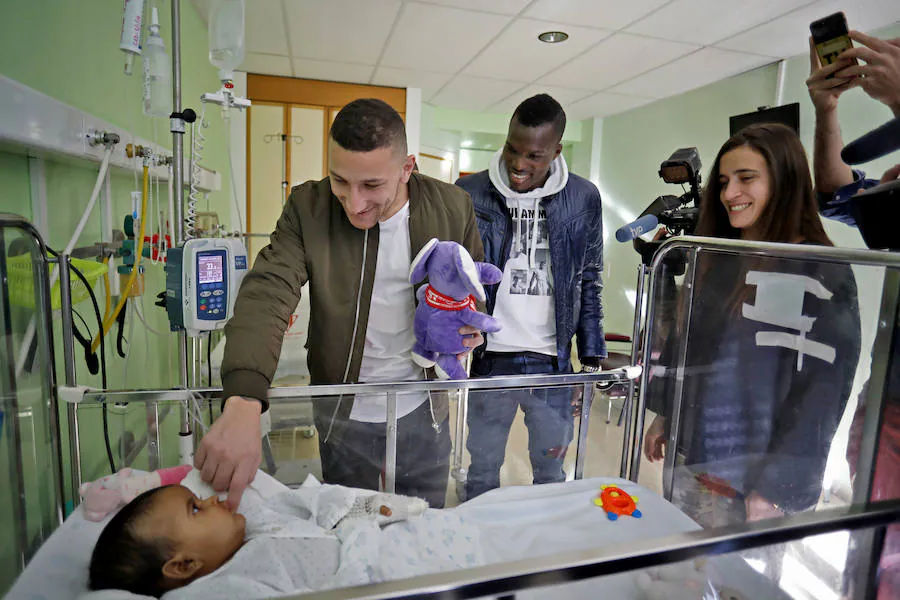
(308, 394)
(510, 577)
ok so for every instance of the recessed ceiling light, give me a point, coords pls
(467, 143)
(553, 37)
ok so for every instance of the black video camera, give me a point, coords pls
(682, 167)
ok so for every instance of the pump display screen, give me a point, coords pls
(209, 268)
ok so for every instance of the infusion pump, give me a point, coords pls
(202, 282)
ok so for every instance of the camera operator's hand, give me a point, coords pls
(824, 90)
(879, 74)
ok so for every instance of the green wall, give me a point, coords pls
(578, 155)
(433, 136)
(472, 161)
(633, 146)
(69, 51)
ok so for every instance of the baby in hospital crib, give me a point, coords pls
(169, 542)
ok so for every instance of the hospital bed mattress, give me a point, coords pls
(515, 522)
(532, 521)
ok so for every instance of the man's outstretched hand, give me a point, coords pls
(230, 452)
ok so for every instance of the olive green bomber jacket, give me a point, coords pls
(314, 241)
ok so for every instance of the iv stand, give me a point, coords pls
(285, 185)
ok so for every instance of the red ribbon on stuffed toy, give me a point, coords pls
(435, 299)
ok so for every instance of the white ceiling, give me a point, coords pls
(484, 54)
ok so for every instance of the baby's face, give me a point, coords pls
(205, 529)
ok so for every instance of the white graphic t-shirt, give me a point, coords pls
(525, 304)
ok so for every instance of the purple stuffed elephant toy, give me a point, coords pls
(447, 303)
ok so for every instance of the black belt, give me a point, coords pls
(554, 360)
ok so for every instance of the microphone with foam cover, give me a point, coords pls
(873, 145)
(637, 228)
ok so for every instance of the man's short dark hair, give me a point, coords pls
(367, 124)
(123, 559)
(540, 110)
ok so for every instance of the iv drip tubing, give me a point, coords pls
(126, 292)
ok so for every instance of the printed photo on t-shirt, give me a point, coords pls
(539, 277)
(529, 255)
(543, 236)
(519, 282)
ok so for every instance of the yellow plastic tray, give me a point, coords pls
(21, 281)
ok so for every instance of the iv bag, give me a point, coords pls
(157, 75)
(226, 36)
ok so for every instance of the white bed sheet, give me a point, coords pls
(525, 522)
(515, 522)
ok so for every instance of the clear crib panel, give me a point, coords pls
(434, 449)
(757, 370)
(28, 436)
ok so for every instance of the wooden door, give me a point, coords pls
(287, 138)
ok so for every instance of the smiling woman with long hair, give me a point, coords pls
(772, 344)
(759, 188)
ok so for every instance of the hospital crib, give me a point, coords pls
(574, 572)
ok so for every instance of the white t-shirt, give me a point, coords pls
(389, 333)
(525, 302)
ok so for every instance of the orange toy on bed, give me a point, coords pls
(615, 501)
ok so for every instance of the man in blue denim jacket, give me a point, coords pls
(542, 226)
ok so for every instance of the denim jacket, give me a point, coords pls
(842, 204)
(575, 226)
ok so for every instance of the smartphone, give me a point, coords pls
(831, 37)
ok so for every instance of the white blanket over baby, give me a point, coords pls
(337, 550)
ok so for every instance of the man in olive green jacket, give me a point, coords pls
(352, 235)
